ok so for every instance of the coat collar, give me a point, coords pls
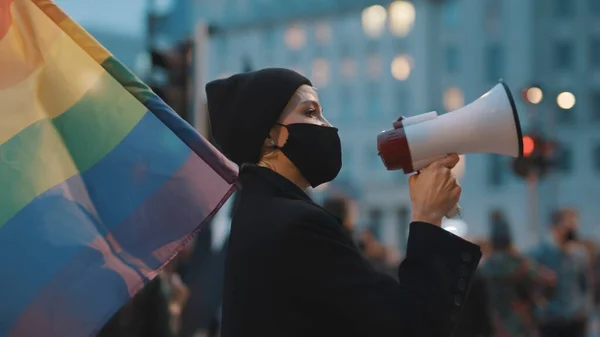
(265, 180)
(254, 176)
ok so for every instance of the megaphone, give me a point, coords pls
(490, 124)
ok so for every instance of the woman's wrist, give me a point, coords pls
(433, 219)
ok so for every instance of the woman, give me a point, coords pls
(291, 268)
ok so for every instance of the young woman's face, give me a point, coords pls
(303, 107)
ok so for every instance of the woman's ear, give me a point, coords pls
(278, 135)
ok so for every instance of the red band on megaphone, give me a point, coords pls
(393, 149)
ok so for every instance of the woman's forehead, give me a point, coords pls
(305, 93)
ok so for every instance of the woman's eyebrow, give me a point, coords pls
(310, 102)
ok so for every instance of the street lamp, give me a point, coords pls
(532, 95)
(535, 95)
(565, 100)
(402, 17)
(373, 20)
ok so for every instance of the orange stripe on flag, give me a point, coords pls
(25, 45)
(5, 17)
(73, 29)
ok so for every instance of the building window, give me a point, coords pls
(496, 170)
(563, 55)
(348, 68)
(493, 15)
(565, 158)
(595, 52)
(345, 50)
(347, 104)
(564, 8)
(494, 57)
(452, 61)
(596, 157)
(374, 67)
(374, 100)
(450, 13)
(323, 33)
(595, 106)
(493, 10)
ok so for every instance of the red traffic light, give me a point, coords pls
(528, 146)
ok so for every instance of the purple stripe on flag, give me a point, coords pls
(91, 287)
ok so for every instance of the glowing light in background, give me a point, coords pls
(402, 17)
(453, 99)
(373, 20)
(295, 37)
(565, 100)
(348, 68)
(528, 146)
(401, 67)
(534, 95)
(320, 72)
(323, 33)
(374, 66)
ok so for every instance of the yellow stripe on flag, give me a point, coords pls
(67, 72)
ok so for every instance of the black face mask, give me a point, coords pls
(316, 150)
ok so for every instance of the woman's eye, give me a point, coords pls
(311, 112)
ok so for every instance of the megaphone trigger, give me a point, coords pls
(455, 211)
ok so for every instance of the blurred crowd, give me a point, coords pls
(552, 290)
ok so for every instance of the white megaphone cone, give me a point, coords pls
(490, 124)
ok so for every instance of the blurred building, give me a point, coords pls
(373, 61)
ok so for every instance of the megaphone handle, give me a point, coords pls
(453, 212)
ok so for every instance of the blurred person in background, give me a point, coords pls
(291, 268)
(568, 308)
(512, 283)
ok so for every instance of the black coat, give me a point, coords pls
(292, 270)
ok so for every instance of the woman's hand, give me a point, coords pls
(434, 191)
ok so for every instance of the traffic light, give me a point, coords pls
(537, 159)
(170, 77)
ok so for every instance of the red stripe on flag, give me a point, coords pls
(5, 17)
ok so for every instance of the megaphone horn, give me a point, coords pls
(490, 124)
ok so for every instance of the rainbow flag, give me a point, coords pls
(101, 183)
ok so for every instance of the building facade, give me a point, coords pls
(373, 61)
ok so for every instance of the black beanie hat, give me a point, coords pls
(244, 107)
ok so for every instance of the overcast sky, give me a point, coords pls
(123, 16)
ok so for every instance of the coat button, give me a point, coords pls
(462, 284)
(466, 257)
(458, 300)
